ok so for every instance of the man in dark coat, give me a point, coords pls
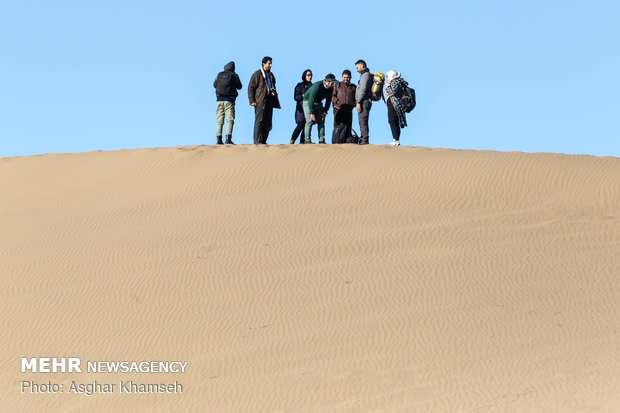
(226, 85)
(343, 100)
(264, 97)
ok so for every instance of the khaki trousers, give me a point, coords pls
(226, 110)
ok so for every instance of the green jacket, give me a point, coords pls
(316, 94)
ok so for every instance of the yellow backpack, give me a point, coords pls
(376, 90)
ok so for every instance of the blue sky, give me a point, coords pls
(511, 76)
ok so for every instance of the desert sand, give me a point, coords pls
(315, 278)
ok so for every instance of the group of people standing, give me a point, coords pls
(313, 103)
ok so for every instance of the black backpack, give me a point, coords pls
(225, 84)
(343, 134)
(407, 100)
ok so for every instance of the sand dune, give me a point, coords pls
(315, 279)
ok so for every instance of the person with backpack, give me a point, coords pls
(226, 85)
(362, 99)
(395, 91)
(300, 118)
(264, 98)
(343, 100)
(314, 111)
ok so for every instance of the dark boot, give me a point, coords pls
(229, 140)
(219, 140)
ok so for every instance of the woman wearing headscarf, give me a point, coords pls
(396, 115)
(300, 119)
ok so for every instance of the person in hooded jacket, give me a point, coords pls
(300, 118)
(226, 85)
(395, 85)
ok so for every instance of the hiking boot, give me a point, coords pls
(323, 142)
(292, 141)
(229, 140)
(219, 140)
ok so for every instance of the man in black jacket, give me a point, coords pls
(226, 85)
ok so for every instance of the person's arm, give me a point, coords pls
(238, 84)
(252, 90)
(362, 89)
(299, 92)
(310, 96)
(351, 96)
(335, 95)
(328, 102)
